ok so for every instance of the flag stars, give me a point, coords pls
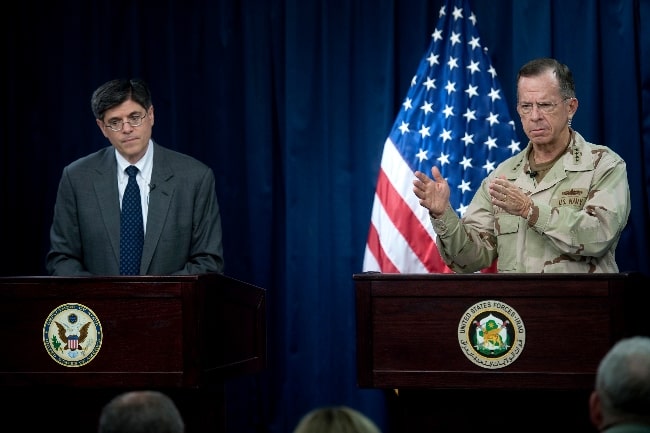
(494, 94)
(514, 146)
(473, 67)
(474, 43)
(452, 63)
(489, 166)
(445, 135)
(458, 13)
(466, 162)
(492, 71)
(427, 107)
(472, 18)
(470, 115)
(471, 91)
(464, 186)
(443, 159)
(449, 111)
(490, 142)
(450, 87)
(468, 139)
(404, 127)
(433, 59)
(493, 118)
(462, 209)
(430, 83)
(454, 38)
(421, 155)
(437, 35)
(424, 131)
(407, 104)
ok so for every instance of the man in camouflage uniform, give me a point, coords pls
(560, 205)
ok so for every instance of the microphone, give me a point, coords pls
(532, 174)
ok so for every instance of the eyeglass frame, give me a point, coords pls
(542, 107)
(130, 122)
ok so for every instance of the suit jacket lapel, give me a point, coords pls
(159, 201)
(105, 184)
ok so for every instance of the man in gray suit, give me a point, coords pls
(181, 218)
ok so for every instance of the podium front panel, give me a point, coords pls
(160, 332)
(408, 329)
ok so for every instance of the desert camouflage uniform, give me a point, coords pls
(580, 208)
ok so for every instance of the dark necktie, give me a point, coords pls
(131, 226)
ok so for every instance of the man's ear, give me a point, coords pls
(595, 410)
(100, 124)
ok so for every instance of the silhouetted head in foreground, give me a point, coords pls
(141, 412)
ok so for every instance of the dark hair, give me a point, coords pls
(115, 92)
(562, 73)
(141, 412)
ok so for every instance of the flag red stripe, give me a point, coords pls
(409, 225)
(374, 244)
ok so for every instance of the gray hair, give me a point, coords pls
(562, 72)
(623, 381)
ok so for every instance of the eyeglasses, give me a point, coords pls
(544, 107)
(133, 120)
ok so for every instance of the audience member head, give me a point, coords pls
(335, 419)
(141, 412)
(622, 391)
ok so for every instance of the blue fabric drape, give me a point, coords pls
(290, 103)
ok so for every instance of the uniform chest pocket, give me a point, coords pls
(506, 228)
(507, 224)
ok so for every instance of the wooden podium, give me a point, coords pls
(425, 337)
(183, 335)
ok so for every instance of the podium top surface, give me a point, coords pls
(489, 276)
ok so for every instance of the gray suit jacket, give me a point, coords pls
(183, 233)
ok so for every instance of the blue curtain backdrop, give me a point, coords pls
(290, 103)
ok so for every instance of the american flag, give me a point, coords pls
(455, 116)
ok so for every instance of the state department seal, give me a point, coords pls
(491, 334)
(72, 335)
